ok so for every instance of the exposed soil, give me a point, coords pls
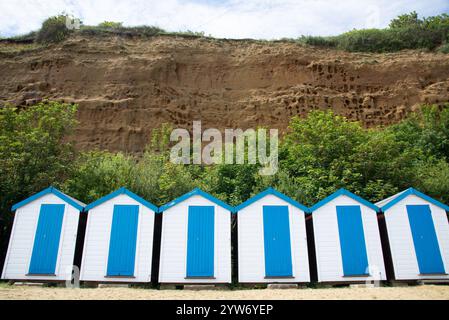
(125, 87)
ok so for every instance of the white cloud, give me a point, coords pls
(266, 19)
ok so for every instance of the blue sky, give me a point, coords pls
(260, 19)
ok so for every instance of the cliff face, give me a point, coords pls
(127, 87)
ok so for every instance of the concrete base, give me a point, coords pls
(436, 281)
(282, 286)
(198, 287)
(364, 285)
(399, 284)
(89, 284)
(28, 284)
(113, 285)
(253, 285)
(167, 287)
(320, 285)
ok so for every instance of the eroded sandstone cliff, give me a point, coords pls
(125, 87)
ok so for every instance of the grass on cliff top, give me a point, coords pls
(407, 31)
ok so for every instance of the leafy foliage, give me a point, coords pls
(444, 48)
(320, 153)
(33, 153)
(110, 24)
(405, 32)
(405, 20)
(53, 30)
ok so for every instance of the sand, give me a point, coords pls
(432, 292)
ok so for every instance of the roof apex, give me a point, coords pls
(70, 200)
(340, 192)
(412, 191)
(199, 192)
(274, 192)
(121, 190)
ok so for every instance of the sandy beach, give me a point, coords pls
(432, 292)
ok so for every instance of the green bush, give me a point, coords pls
(329, 42)
(390, 40)
(405, 20)
(33, 154)
(444, 48)
(111, 24)
(319, 154)
(53, 30)
(405, 32)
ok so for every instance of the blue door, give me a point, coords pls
(352, 241)
(46, 240)
(278, 256)
(200, 241)
(425, 239)
(122, 245)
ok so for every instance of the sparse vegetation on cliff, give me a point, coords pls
(53, 30)
(407, 31)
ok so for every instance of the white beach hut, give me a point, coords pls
(272, 240)
(43, 237)
(347, 239)
(417, 235)
(118, 243)
(195, 240)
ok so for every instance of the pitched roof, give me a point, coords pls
(120, 191)
(391, 201)
(386, 200)
(72, 201)
(194, 192)
(275, 193)
(344, 192)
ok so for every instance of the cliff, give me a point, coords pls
(125, 87)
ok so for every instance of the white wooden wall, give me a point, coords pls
(173, 259)
(400, 237)
(20, 248)
(251, 253)
(96, 242)
(327, 242)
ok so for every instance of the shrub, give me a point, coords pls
(111, 24)
(405, 32)
(368, 40)
(33, 154)
(327, 42)
(53, 30)
(444, 48)
(405, 20)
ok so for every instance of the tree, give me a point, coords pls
(325, 152)
(98, 173)
(426, 129)
(34, 153)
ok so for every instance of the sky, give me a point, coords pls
(258, 19)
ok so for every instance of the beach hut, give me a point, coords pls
(118, 243)
(195, 240)
(272, 240)
(43, 237)
(347, 239)
(417, 234)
